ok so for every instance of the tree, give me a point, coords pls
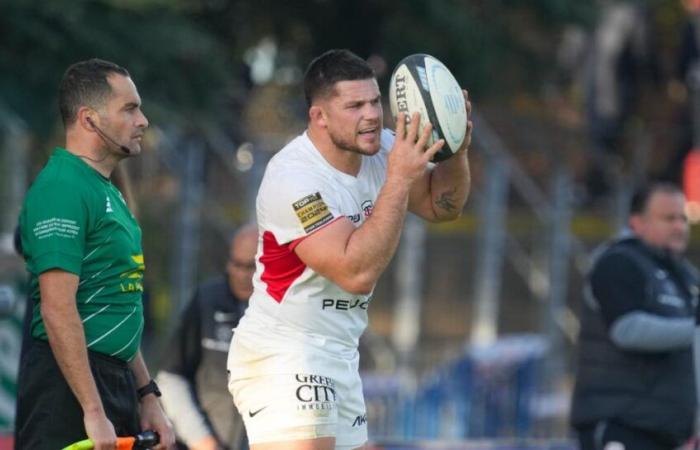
(179, 67)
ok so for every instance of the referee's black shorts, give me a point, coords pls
(49, 416)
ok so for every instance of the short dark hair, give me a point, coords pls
(331, 67)
(641, 196)
(85, 84)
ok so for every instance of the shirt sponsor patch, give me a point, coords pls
(312, 212)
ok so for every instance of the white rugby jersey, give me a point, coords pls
(293, 307)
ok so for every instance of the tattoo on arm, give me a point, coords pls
(446, 200)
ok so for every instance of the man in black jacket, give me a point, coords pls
(635, 383)
(193, 374)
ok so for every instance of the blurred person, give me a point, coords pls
(634, 382)
(84, 373)
(193, 375)
(684, 89)
(620, 57)
(330, 211)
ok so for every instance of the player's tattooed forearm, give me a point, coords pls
(446, 200)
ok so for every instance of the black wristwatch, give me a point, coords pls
(150, 388)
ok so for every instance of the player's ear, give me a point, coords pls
(317, 116)
(636, 223)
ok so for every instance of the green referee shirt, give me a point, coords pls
(74, 219)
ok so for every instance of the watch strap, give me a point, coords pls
(150, 388)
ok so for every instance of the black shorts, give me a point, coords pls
(48, 414)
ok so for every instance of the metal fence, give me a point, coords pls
(491, 392)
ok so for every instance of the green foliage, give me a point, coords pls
(557, 12)
(177, 66)
(183, 54)
(493, 46)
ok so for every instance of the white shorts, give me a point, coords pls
(297, 406)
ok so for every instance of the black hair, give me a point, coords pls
(640, 198)
(331, 67)
(85, 84)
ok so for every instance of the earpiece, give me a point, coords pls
(106, 138)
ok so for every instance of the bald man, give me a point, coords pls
(193, 375)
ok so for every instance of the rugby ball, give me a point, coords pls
(422, 83)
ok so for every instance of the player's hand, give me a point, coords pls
(100, 430)
(470, 125)
(153, 418)
(409, 157)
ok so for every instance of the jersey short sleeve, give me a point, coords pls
(294, 205)
(53, 225)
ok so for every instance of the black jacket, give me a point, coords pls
(654, 391)
(198, 352)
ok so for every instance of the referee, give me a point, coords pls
(84, 374)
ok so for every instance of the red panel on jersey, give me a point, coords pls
(282, 266)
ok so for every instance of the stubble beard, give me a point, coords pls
(350, 146)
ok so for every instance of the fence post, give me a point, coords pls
(409, 280)
(492, 209)
(187, 234)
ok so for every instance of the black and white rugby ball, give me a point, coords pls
(422, 83)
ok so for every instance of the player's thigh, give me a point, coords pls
(352, 413)
(327, 443)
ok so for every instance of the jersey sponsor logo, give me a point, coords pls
(133, 279)
(360, 420)
(312, 212)
(367, 208)
(344, 305)
(315, 392)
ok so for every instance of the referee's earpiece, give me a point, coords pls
(106, 138)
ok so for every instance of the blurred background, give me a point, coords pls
(472, 328)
